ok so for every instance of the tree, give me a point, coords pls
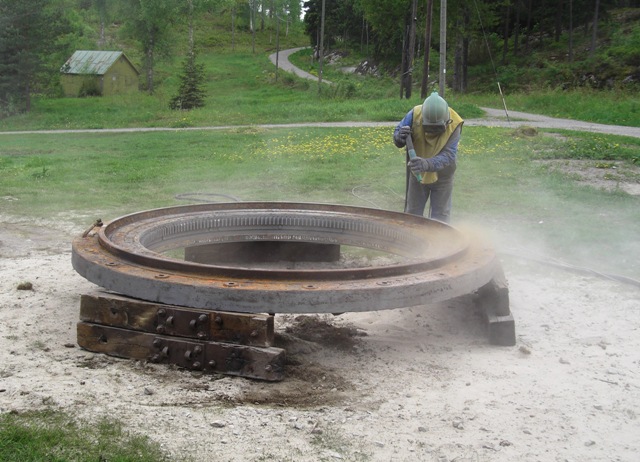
(408, 56)
(151, 23)
(191, 92)
(595, 29)
(387, 21)
(343, 21)
(28, 42)
(505, 30)
(427, 50)
(101, 7)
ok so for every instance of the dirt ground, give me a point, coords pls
(604, 175)
(419, 383)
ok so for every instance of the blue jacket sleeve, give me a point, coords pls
(407, 120)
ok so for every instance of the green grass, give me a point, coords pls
(81, 177)
(605, 107)
(119, 173)
(242, 90)
(57, 437)
(500, 184)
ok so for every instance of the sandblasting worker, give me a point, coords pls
(435, 131)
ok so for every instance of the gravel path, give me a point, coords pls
(281, 61)
(494, 117)
(498, 118)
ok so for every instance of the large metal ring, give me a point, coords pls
(435, 262)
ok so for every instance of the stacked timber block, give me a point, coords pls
(200, 340)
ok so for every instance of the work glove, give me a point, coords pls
(400, 138)
(419, 165)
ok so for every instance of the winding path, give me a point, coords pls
(495, 117)
(281, 61)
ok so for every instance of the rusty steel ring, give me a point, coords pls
(128, 256)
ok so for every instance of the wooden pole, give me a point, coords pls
(321, 48)
(443, 46)
(427, 51)
(411, 52)
(277, 44)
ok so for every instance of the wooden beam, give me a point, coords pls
(206, 356)
(493, 300)
(127, 313)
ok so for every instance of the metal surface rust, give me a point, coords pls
(129, 256)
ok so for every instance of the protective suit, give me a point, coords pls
(435, 130)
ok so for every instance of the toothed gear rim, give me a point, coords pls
(438, 262)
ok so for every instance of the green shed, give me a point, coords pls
(105, 73)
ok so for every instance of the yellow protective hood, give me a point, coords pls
(428, 145)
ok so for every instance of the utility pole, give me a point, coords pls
(277, 43)
(570, 31)
(443, 46)
(594, 36)
(321, 48)
(427, 50)
(408, 51)
(412, 47)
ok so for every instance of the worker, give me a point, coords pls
(435, 130)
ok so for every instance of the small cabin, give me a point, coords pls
(98, 73)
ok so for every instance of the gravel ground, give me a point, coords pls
(416, 384)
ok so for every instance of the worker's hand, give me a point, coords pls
(401, 135)
(419, 165)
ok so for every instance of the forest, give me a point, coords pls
(569, 42)
(481, 34)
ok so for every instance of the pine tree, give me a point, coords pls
(191, 93)
(28, 31)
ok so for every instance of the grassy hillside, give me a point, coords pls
(242, 86)
(545, 63)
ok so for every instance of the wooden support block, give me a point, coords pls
(206, 356)
(495, 295)
(502, 330)
(127, 313)
(493, 300)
